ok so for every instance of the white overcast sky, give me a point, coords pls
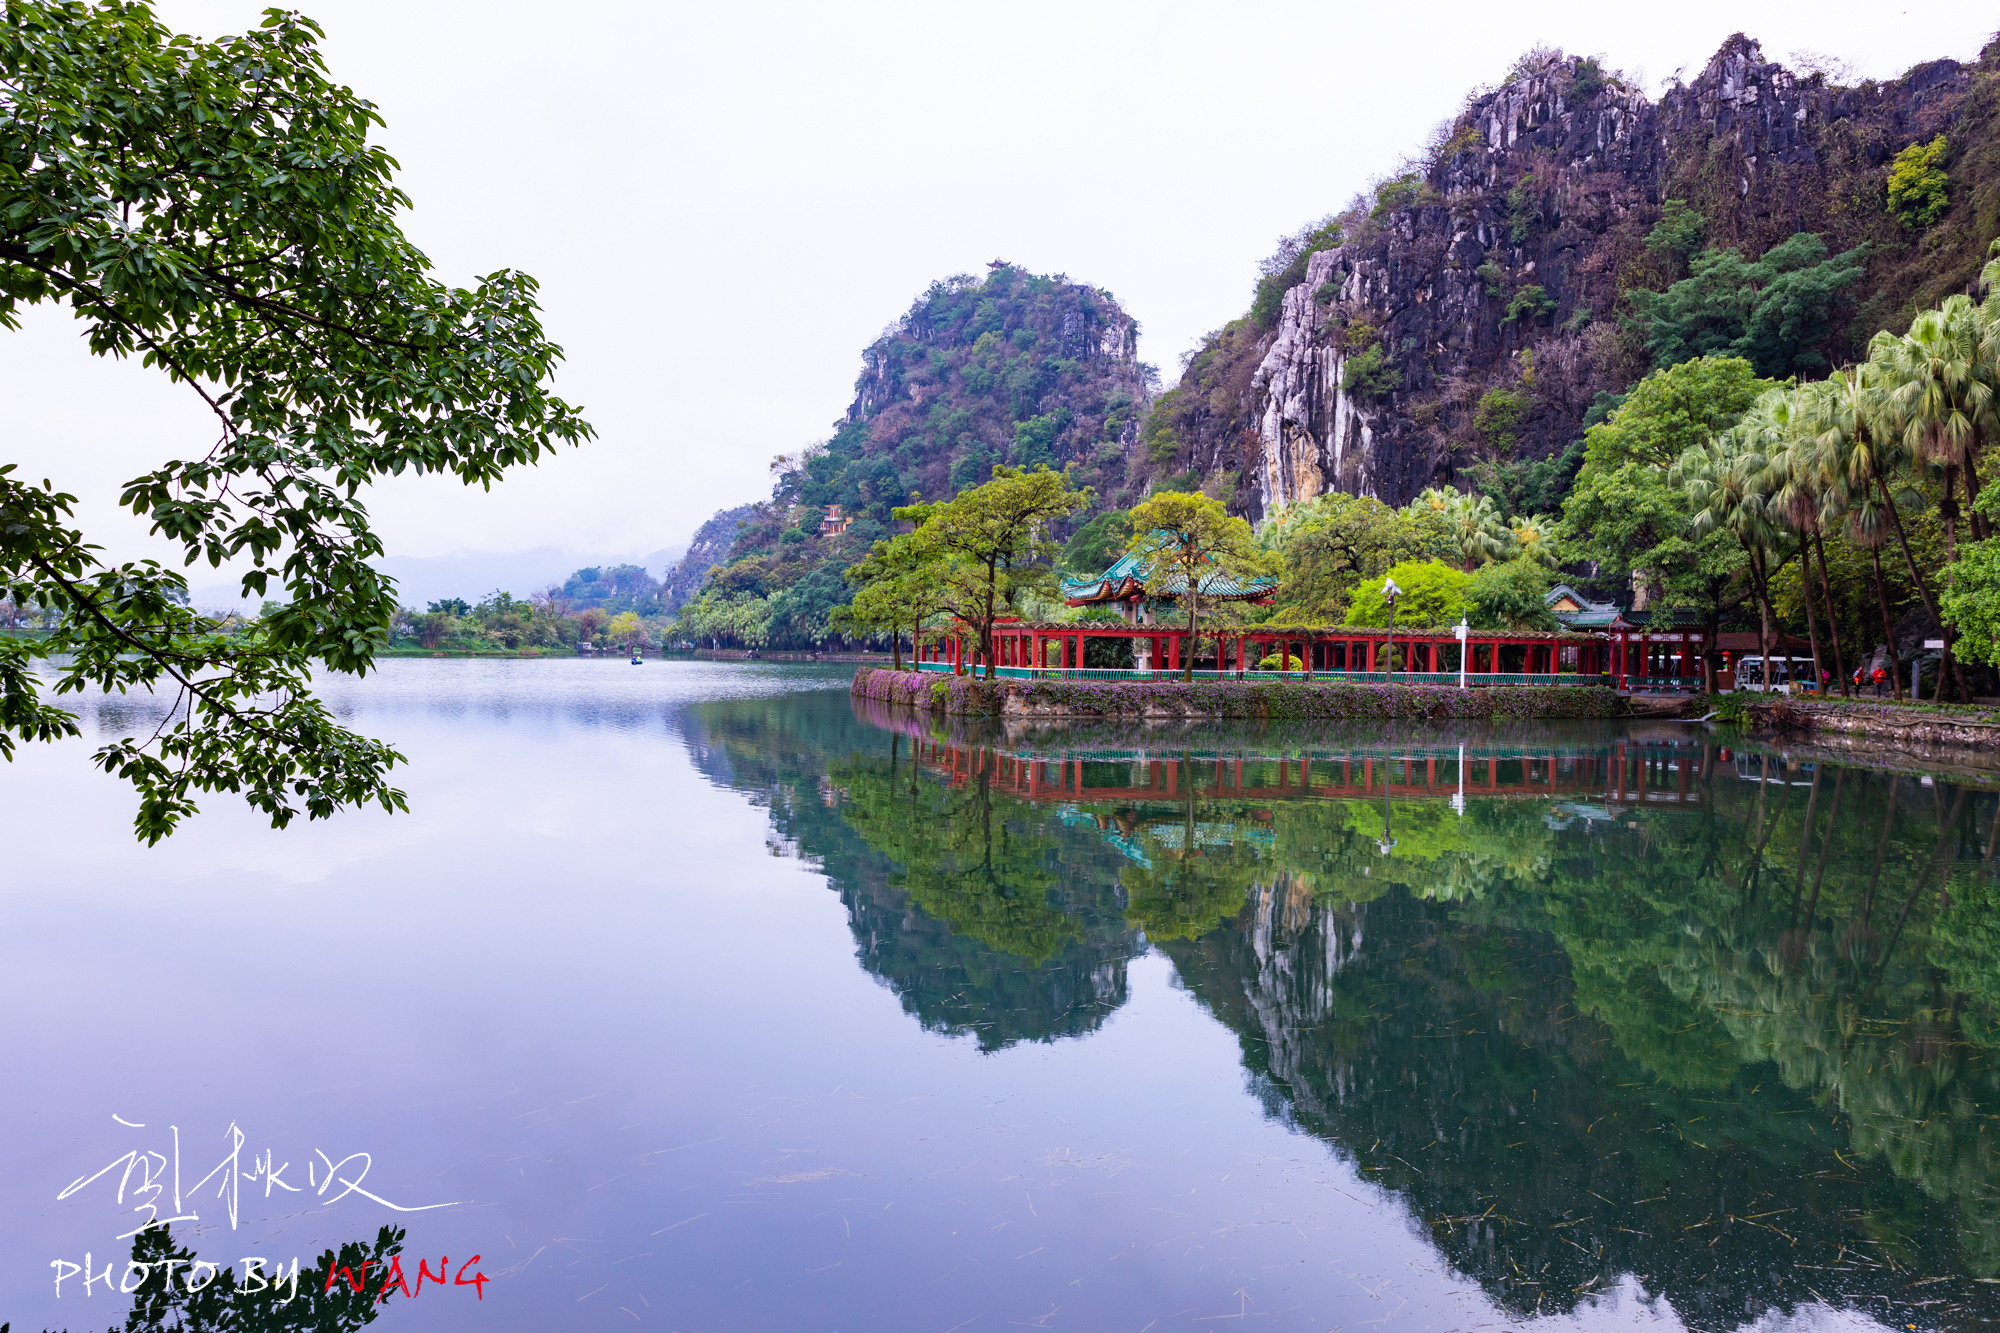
(725, 202)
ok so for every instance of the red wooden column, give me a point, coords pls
(1173, 652)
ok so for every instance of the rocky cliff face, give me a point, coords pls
(1504, 260)
(709, 548)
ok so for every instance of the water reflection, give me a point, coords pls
(983, 923)
(1551, 1020)
(1597, 1003)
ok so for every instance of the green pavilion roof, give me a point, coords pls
(1126, 578)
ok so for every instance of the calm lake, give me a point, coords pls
(708, 999)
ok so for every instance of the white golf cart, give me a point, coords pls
(1786, 675)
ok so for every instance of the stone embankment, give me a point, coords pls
(1859, 729)
(1165, 699)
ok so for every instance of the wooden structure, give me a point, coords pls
(1429, 656)
(1124, 584)
(1647, 657)
(1647, 650)
(1598, 644)
(1624, 774)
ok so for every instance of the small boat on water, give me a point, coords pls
(638, 659)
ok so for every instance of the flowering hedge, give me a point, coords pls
(1236, 698)
(931, 690)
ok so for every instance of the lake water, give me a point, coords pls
(708, 999)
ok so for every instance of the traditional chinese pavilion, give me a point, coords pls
(1123, 586)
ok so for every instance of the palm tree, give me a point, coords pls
(1868, 528)
(1474, 523)
(1726, 481)
(1937, 397)
(1777, 429)
(1534, 537)
(1820, 493)
(1861, 452)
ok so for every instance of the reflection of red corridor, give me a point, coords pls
(1627, 773)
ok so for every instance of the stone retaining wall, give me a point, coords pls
(1858, 727)
(1152, 699)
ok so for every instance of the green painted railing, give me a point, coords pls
(1364, 677)
(1672, 684)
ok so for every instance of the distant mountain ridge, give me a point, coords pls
(471, 575)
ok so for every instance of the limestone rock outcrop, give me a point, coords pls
(1504, 261)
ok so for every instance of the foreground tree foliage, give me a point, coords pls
(216, 209)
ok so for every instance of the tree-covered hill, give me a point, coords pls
(1017, 368)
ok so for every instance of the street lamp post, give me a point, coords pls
(1463, 632)
(1390, 592)
(1387, 842)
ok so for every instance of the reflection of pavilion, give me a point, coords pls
(1624, 775)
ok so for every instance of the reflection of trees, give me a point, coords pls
(959, 855)
(343, 1292)
(1192, 879)
(1745, 1050)
(1449, 1062)
(1773, 1009)
(1008, 930)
